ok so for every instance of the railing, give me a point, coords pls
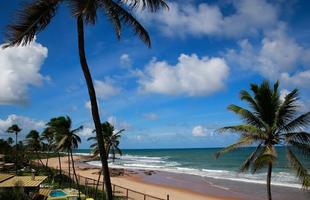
(118, 191)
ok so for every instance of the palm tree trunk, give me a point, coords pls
(48, 150)
(38, 155)
(97, 185)
(16, 149)
(76, 178)
(59, 161)
(69, 169)
(269, 181)
(94, 108)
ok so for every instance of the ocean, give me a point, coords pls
(201, 162)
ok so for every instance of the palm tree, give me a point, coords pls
(36, 16)
(111, 140)
(69, 139)
(48, 136)
(270, 122)
(10, 140)
(56, 139)
(34, 143)
(15, 129)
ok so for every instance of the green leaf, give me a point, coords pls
(301, 171)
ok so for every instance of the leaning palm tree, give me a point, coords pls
(271, 121)
(34, 143)
(111, 139)
(56, 139)
(36, 16)
(69, 140)
(15, 130)
(48, 136)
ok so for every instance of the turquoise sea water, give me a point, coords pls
(202, 162)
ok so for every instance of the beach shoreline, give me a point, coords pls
(180, 186)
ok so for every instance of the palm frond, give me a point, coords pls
(287, 110)
(131, 21)
(300, 170)
(246, 130)
(113, 16)
(303, 148)
(267, 155)
(245, 96)
(243, 141)
(32, 19)
(85, 8)
(92, 138)
(247, 116)
(246, 164)
(152, 5)
(302, 137)
(298, 124)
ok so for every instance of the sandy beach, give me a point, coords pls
(181, 186)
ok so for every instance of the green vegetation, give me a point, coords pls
(271, 121)
(15, 129)
(66, 139)
(111, 140)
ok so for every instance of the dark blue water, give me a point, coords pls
(202, 162)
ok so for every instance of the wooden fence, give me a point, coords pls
(118, 191)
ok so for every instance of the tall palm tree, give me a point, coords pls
(36, 16)
(34, 143)
(56, 139)
(48, 136)
(69, 139)
(111, 140)
(271, 121)
(15, 129)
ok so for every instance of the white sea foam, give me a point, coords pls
(164, 164)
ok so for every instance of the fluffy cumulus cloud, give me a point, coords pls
(192, 76)
(125, 61)
(19, 69)
(25, 123)
(105, 89)
(186, 18)
(200, 131)
(277, 57)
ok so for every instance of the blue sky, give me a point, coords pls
(173, 95)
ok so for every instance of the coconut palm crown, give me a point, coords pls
(271, 121)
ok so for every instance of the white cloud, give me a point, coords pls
(200, 131)
(87, 131)
(150, 116)
(300, 79)
(106, 89)
(25, 123)
(118, 125)
(88, 105)
(190, 76)
(125, 61)
(185, 18)
(277, 57)
(19, 69)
